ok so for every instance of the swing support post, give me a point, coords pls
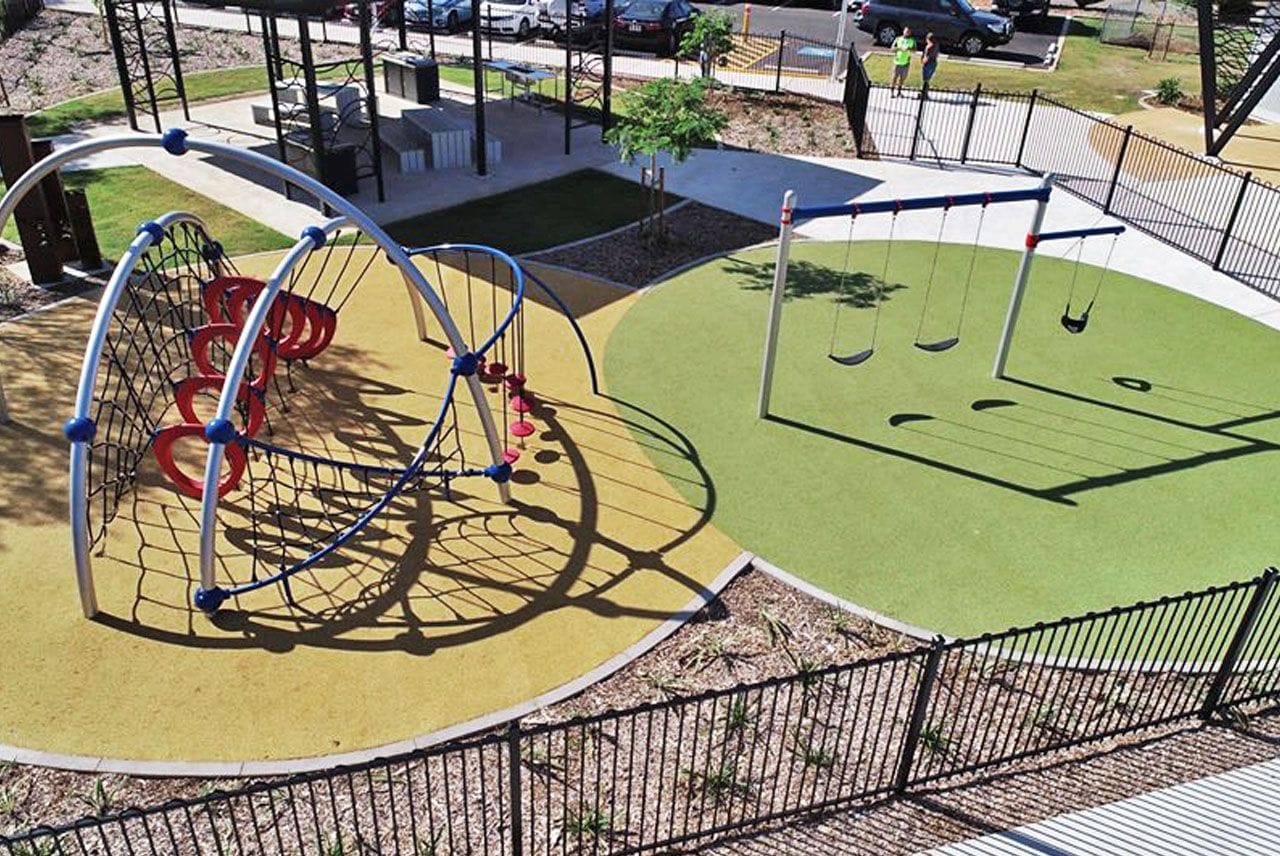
(775, 304)
(1020, 281)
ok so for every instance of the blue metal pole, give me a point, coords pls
(922, 203)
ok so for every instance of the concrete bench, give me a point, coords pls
(407, 151)
(293, 116)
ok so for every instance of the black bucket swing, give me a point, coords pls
(946, 344)
(859, 357)
(1076, 324)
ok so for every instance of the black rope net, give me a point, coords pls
(145, 354)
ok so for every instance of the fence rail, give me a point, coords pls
(688, 769)
(1221, 216)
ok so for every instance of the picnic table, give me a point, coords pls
(448, 140)
(521, 75)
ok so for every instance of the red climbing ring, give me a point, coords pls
(510, 455)
(194, 488)
(230, 333)
(214, 295)
(328, 326)
(185, 394)
(521, 428)
(514, 382)
(521, 403)
(286, 322)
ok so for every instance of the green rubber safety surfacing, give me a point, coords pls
(1134, 460)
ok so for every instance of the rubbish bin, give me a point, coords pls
(337, 167)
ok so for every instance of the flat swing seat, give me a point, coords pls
(939, 346)
(853, 359)
(1075, 326)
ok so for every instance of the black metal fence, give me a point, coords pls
(1219, 215)
(691, 768)
(15, 13)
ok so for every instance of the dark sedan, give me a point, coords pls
(654, 25)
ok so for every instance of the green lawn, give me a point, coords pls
(915, 484)
(535, 217)
(122, 197)
(200, 86)
(1090, 75)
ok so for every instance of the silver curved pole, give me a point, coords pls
(79, 497)
(236, 368)
(180, 144)
(176, 142)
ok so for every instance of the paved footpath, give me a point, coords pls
(752, 184)
(1232, 813)
(460, 46)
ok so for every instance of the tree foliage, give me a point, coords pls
(666, 115)
(710, 38)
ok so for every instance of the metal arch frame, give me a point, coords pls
(395, 253)
(239, 364)
(79, 473)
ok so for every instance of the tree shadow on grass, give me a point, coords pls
(854, 289)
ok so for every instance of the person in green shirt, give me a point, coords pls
(903, 46)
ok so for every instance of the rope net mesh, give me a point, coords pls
(146, 352)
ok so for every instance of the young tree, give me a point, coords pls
(710, 38)
(664, 115)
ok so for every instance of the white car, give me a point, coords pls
(510, 17)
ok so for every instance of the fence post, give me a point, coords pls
(1115, 175)
(1213, 699)
(1231, 221)
(915, 137)
(782, 46)
(513, 772)
(919, 708)
(1026, 127)
(968, 131)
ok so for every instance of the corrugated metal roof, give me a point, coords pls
(1236, 813)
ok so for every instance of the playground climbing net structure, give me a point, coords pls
(179, 330)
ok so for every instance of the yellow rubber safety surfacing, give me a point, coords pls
(444, 611)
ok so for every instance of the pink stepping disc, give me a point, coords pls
(449, 352)
(515, 381)
(521, 428)
(520, 404)
(510, 456)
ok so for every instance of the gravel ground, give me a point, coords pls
(784, 124)
(694, 231)
(939, 816)
(757, 629)
(59, 56)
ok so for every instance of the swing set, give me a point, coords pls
(791, 213)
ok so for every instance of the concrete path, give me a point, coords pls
(1229, 813)
(752, 184)
(792, 80)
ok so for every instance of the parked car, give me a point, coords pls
(448, 15)
(955, 23)
(656, 25)
(1023, 8)
(510, 17)
(588, 17)
(385, 12)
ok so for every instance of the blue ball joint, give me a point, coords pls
(209, 601)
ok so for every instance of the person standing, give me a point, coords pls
(903, 46)
(929, 63)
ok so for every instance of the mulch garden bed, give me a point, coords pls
(694, 231)
(58, 56)
(784, 124)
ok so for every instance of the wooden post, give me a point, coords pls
(55, 204)
(86, 238)
(35, 229)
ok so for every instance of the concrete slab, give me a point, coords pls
(752, 184)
